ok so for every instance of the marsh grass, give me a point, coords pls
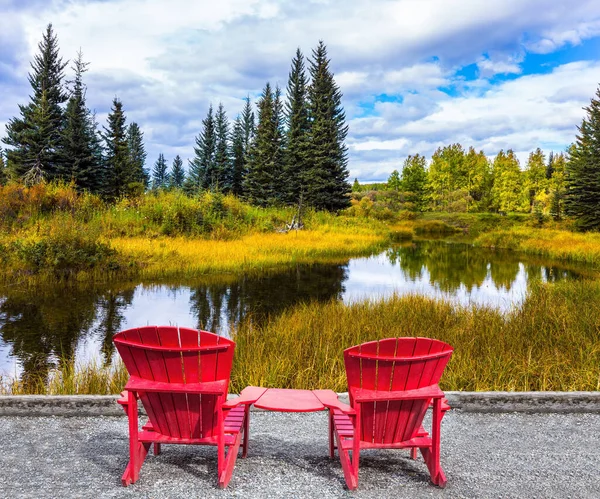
(558, 244)
(551, 343)
(67, 378)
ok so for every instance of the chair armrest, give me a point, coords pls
(445, 405)
(330, 400)
(136, 384)
(366, 395)
(123, 400)
(248, 396)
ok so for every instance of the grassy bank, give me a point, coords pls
(50, 232)
(552, 243)
(551, 343)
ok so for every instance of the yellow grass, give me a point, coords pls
(558, 244)
(185, 256)
(552, 342)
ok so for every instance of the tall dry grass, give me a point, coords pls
(69, 378)
(551, 343)
(557, 244)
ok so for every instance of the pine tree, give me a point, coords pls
(117, 170)
(160, 176)
(356, 186)
(414, 180)
(260, 185)
(550, 166)
(327, 176)
(81, 162)
(3, 172)
(393, 181)
(137, 156)
(35, 137)
(223, 176)
(177, 175)
(242, 137)
(557, 185)
(238, 161)
(202, 167)
(583, 170)
(298, 147)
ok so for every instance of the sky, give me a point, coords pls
(415, 74)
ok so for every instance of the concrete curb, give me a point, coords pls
(487, 402)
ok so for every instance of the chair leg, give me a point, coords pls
(227, 462)
(349, 464)
(137, 450)
(246, 431)
(157, 449)
(413, 453)
(432, 456)
(331, 437)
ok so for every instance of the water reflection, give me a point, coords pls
(40, 326)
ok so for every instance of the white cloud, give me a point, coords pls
(168, 60)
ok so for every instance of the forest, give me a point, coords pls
(291, 153)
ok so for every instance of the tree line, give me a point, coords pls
(459, 180)
(563, 184)
(292, 152)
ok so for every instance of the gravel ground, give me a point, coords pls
(483, 455)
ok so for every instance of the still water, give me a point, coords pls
(39, 325)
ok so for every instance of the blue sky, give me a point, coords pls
(416, 74)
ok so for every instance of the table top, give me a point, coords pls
(288, 400)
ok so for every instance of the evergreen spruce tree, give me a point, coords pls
(81, 162)
(356, 186)
(160, 176)
(202, 167)
(3, 173)
(260, 180)
(583, 170)
(137, 156)
(557, 185)
(249, 127)
(242, 137)
(393, 181)
(298, 146)
(550, 166)
(223, 175)
(238, 160)
(327, 176)
(35, 137)
(279, 148)
(177, 175)
(414, 180)
(117, 169)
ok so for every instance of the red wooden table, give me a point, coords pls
(287, 400)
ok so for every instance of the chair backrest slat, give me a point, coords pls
(163, 354)
(394, 364)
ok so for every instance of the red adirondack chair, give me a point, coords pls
(391, 383)
(181, 376)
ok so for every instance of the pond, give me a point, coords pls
(38, 325)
